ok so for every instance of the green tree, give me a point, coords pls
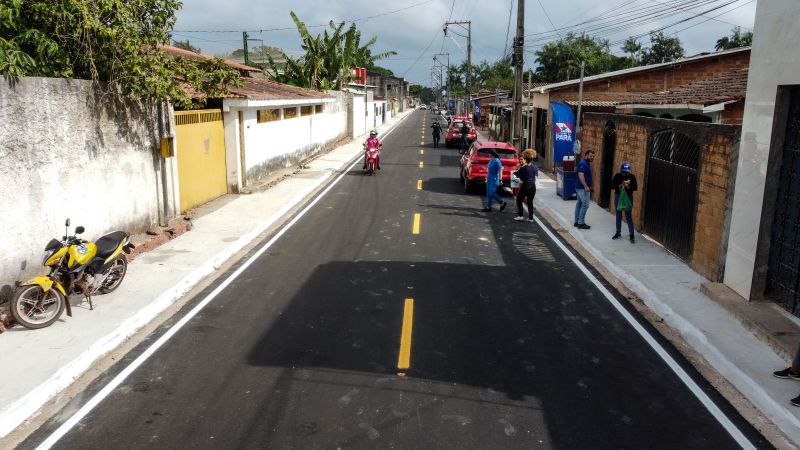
(113, 42)
(735, 40)
(186, 45)
(425, 94)
(561, 60)
(662, 49)
(633, 47)
(381, 70)
(329, 58)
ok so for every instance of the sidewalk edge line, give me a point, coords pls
(709, 404)
(97, 398)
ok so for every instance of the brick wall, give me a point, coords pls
(719, 146)
(665, 78)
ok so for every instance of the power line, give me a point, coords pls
(548, 19)
(307, 26)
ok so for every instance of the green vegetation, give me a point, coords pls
(735, 40)
(328, 60)
(113, 42)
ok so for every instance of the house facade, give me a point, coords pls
(763, 258)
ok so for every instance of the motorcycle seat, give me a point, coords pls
(108, 243)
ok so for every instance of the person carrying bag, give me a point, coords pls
(624, 185)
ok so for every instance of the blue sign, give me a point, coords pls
(478, 110)
(563, 131)
(451, 104)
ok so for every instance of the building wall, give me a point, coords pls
(69, 151)
(719, 149)
(775, 63)
(656, 80)
(275, 145)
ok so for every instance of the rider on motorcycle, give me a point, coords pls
(373, 142)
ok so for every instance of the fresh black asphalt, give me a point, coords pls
(512, 346)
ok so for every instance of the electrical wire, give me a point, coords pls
(548, 19)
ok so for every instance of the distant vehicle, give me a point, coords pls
(474, 161)
(453, 137)
(423, 106)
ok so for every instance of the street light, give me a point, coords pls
(467, 25)
(448, 69)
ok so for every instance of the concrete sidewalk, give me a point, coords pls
(671, 290)
(40, 364)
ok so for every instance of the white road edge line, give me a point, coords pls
(709, 404)
(113, 384)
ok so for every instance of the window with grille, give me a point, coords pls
(318, 109)
(268, 115)
(306, 110)
(290, 113)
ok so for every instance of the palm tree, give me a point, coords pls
(735, 40)
(632, 46)
(328, 60)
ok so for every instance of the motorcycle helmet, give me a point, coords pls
(373, 133)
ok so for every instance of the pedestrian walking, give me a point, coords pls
(494, 174)
(437, 131)
(624, 185)
(583, 187)
(527, 190)
(791, 373)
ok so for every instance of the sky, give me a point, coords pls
(413, 28)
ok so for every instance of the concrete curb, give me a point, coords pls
(29, 405)
(695, 337)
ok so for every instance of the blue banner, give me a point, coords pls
(563, 131)
(451, 104)
(478, 110)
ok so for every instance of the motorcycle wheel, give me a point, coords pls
(117, 271)
(371, 168)
(33, 308)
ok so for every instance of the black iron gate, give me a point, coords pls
(607, 171)
(783, 274)
(669, 210)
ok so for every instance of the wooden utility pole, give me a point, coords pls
(517, 59)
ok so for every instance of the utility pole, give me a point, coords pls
(467, 25)
(244, 40)
(516, 135)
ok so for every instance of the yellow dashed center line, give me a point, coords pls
(415, 228)
(421, 151)
(404, 359)
(419, 185)
(421, 164)
(422, 143)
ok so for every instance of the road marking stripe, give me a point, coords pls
(415, 228)
(698, 392)
(404, 359)
(421, 164)
(116, 381)
(421, 151)
(419, 185)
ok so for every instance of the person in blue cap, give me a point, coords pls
(624, 180)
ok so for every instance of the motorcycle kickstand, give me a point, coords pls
(91, 306)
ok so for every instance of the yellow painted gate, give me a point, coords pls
(200, 140)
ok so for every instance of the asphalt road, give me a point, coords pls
(507, 344)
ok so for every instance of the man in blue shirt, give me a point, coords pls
(583, 189)
(494, 175)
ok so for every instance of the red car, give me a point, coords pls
(475, 160)
(453, 137)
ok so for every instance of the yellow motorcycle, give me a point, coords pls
(77, 267)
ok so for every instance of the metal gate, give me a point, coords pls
(671, 197)
(607, 170)
(783, 274)
(200, 139)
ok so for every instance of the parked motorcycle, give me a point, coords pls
(372, 159)
(77, 267)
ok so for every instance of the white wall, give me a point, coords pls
(775, 39)
(278, 144)
(66, 151)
